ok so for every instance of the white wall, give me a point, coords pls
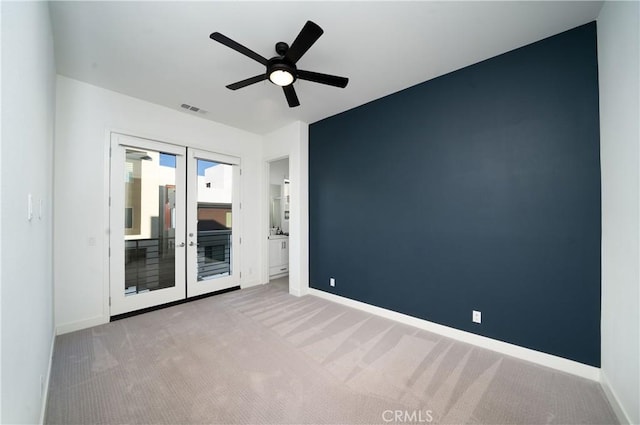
(85, 115)
(278, 171)
(619, 73)
(0, 219)
(290, 141)
(28, 92)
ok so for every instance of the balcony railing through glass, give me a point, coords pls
(149, 265)
(214, 253)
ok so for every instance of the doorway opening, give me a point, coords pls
(279, 219)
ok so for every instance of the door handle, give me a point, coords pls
(191, 243)
(181, 245)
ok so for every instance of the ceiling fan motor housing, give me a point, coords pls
(281, 48)
(281, 64)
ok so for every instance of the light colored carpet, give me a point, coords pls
(261, 355)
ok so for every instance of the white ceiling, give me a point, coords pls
(161, 51)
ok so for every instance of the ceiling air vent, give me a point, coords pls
(193, 108)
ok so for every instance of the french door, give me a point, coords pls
(174, 227)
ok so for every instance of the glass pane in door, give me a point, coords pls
(214, 231)
(149, 221)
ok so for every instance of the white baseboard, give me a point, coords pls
(621, 414)
(82, 324)
(45, 394)
(544, 359)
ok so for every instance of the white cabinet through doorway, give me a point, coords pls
(278, 256)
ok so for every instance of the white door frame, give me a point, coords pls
(195, 287)
(119, 303)
(186, 276)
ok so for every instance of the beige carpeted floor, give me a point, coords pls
(261, 355)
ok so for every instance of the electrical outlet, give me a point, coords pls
(332, 281)
(476, 316)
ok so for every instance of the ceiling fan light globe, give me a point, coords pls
(281, 77)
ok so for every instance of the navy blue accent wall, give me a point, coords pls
(480, 190)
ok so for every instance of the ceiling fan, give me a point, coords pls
(281, 70)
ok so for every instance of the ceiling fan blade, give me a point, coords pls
(223, 39)
(247, 82)
(290, 94)
(308, 35)
(316, 77)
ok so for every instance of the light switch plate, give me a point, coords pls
(29, 207)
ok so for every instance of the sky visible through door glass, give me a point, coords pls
(168, 160)
(203, 165)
